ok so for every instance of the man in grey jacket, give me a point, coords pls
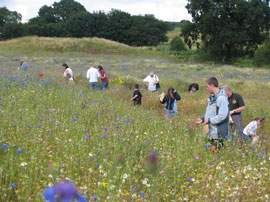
(217, 113)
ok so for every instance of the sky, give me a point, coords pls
(167, 10)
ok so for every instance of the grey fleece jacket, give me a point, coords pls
(217, 113)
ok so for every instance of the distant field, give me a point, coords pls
(52, 131)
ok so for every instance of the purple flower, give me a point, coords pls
(58, 124)
(117, 117)
(87, 131)
(39, 126)
(95, 198)
(142, 194)
(5, 146)
(133, 190)
(65, 191)
(197, 157)
(190, 180)
(97, 164)
(127, 121)
(106, 129)
(87, 137)
(206, 146)
(19, 151)
(74, 119)
(104, 136)
(13, 185)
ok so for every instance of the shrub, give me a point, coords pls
(177, 44)
(262, 55)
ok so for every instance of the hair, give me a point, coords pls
(227, 88)
(212, 81)
(259, 118)
(20, 62)
(136, 86)
(65, 65)
(100, 68)
(195, 85)
(168, 96)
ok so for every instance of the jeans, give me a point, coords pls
(104, 85)
(237, 126)
(93, 85)
(170, 113)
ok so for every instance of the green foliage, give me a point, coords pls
(262, 55)
(228, 29)
(177, 44)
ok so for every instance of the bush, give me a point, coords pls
(262, 55)
(177, 44)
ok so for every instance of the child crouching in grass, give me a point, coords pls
(251, 129)
(137, 96)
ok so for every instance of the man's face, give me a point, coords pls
(228, 93)
(209, 88)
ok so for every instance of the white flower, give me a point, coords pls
(50, 176)
(148, 185)
(90, 154)
(144, 182)
(125, 176)
(23, 164)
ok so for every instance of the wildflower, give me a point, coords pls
(97, 164)
(153, 157)
(19, 151)
(95, 198)
(39, 126)
(13, 185)
(125, 176)
(104, 136)
(213, 149)
(87, 131)
(5, 146)
(127, 121)
(63, 192)
(197, 157)
(41, 75)
(190, 180)
(117, 117)
(86, 137)
(74, 119)
(142, 194)
(106, 129)
(23, 164)
(206, 146)
(60, 81)
(133, 190)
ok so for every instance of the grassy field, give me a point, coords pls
(52, 131)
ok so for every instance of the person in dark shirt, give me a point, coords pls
(236, 106)
(137, 96)
(193, 87)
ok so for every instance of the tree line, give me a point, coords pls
(69, 18)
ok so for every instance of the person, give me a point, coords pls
(251, 129)
(157, 81)
(217, 114)
(68, 71)
(170, 101)
(193, 87)
(236, 106)
(92, 75)
(22, 65)
(137, 96)
(104, 78)
(150, 82)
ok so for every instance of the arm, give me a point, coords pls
(87, 75)
(157, 79)
(163, 101)
(177, 96)
(238, 110)
(134, 97)
(222, 113)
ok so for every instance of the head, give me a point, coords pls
(20, 62)
(211, 85)
(260, 120)
(136, 86)
(151, 74)
(91, 66)
(170, 93)
(65, 66)
(100, 68)
(228, 90)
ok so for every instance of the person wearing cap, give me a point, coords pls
(236, 106)
(22, 65)
(150, 81)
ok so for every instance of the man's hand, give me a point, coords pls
(198, 121)
(232, 112)
(206, 122)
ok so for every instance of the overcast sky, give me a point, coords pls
(169, 10)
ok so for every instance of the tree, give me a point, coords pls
(177, 44)
(7, 16)
(228, 29)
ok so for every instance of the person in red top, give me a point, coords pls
(104, 78)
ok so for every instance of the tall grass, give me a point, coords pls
(101, 142)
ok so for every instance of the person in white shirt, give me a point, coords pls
(151, 81)
(68, 72)
(251, 129)
(92, 75)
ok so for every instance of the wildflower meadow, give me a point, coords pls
(53, 131)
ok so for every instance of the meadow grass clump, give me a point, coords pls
(53, 131)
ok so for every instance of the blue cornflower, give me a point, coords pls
(5, 146)
(39, 126)
(142, 194)
(97, 164)
(80, 95)
(58, 124)
(87, 131)
(19, 151)
(190, 180)
(133, 190)
(0, 99)
(0, 104)
(74, 119)
(96, 114)
(253, 148)
(262, 150)
(127, 121)
(95, 157)
(261, 155)
(95, 198)
(52, 121)
(206, 146)
(86, 137)
(117, 117)
(104, 136)
(13, 185)
(63, 192)
(106, 129)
